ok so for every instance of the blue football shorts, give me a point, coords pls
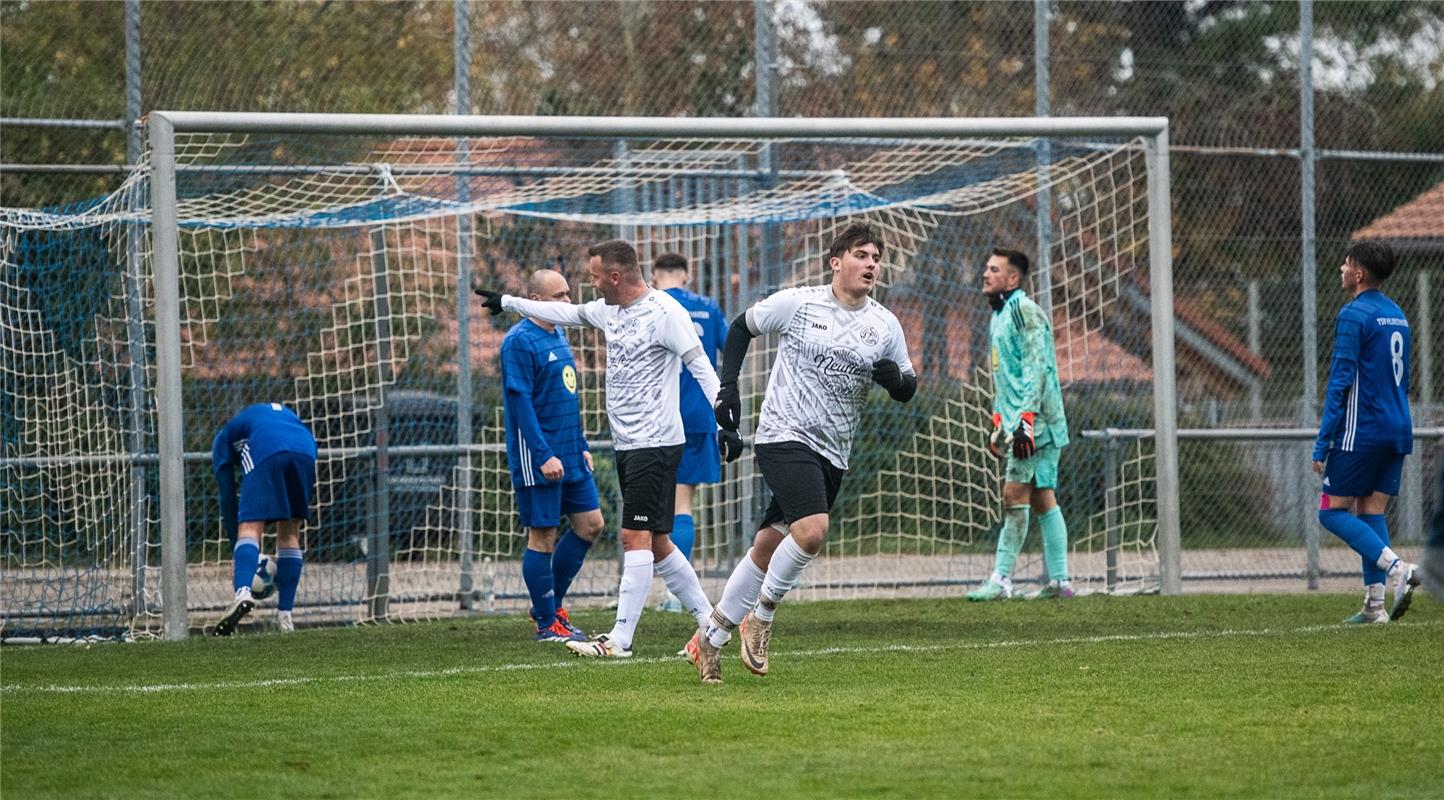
(701, 460)
(279, 488)
(1362, 474)
(543, 506)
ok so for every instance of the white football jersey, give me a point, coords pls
(646, 342)
(823, 372)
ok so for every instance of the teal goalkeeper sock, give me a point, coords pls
(1010, 538)
(1055, 543)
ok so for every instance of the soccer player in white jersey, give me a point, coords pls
(649, 337)
(836, 341)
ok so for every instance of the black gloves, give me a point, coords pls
(729, 407)
(886, 374)
(491, 301)
(730, 443)
(729, 416)
(1023, 444)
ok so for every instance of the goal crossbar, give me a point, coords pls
(669, 127)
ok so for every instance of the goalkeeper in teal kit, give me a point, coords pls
(1029, 428)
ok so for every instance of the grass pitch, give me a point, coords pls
(1198, 696)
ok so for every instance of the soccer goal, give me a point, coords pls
(327, 261)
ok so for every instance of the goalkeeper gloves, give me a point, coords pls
(1023, 444)
(728, 409)
(998, 439)
(491, 301)
(730, 443)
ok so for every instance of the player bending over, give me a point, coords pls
(277, 456)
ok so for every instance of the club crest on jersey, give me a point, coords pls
(868, 335)
(569, 379)
(627, 327)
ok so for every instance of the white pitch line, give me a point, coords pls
(154, 688)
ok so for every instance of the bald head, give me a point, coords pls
(547, 284)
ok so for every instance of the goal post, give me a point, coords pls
(327, 262)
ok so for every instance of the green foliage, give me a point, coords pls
(1140, 697)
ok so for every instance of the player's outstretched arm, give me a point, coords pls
(491, 301)
(554, 313)
(729, 403)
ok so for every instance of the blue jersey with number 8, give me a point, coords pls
(1366, 405)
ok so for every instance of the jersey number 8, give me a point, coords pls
(1396, 351)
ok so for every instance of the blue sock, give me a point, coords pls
(684, 532)
(288, 576)
(567, 562)
(536, 571)
(1372, 573)
(244, 559)
(1355, 532)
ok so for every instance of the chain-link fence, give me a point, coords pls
(1269, 184)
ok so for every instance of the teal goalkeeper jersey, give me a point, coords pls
(1025, 370)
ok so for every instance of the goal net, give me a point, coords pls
(332, 273)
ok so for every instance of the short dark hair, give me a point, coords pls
(669, 262)
(617, 253)
(855, 235)
(1016, 258)
(1377, 258)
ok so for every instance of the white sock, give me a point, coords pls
(783, 573)
(738, 597)
(1386, 559)
(1374, 593)
(1001, 579)
(631, 595)
(682, 581)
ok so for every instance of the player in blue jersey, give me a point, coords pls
(1366, 430)
(701, 460)
(551, 465)
(277, 456)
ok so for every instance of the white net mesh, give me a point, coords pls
(327, 273)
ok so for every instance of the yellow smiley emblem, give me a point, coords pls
(569, 378)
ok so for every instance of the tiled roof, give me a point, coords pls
(1420, 218)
